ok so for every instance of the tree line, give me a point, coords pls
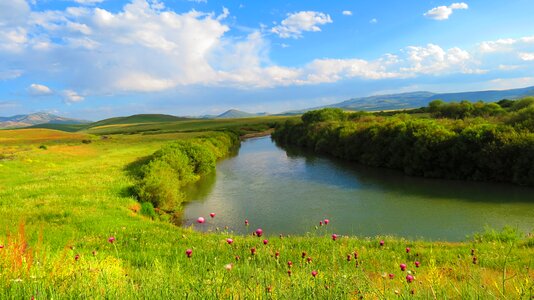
(458, 140)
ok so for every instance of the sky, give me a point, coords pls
(94, 59)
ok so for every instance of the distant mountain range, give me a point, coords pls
(419, 99)
(35, 119)
(235, 114)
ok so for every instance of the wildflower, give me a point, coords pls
(1, 246)
(320, 223)
(111, 239)
(417, 264)
(334, 236)
(403, 267)
(409, 278)
(253, 251)
(304, 254)
(229, 267)
(407, 250)
(77, 257)
(229, 241)
(314, 273)
(382, 243)
(265, 242)
(259, 232)
(391, 275)
(237, 258)
(269, 289)
(200, 220)
(189, 253)
(474, 260)
(472, 252)
(277, 254)
(326, 221)
(289, 273)
(349, 257)
(212, 215)
(289, 264)
(246, 222)
(94, 252)
(355, 255)
(309, 259)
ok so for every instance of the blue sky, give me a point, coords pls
(95, 59)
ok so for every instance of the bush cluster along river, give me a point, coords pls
(289, 191)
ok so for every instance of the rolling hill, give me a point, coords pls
(419, 99)
(19, 121)
(234, 114)
(138, 119)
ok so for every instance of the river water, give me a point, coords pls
(290, 191)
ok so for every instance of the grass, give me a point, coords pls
(59, 207)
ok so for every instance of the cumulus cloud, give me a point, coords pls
(526, 56)
(88, 2)
(297, 23)
(347, 13)
(441, 13)
(70, 96)
(39, 90)
(144, 48)
(507, 44)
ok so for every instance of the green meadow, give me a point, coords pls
(72, 227)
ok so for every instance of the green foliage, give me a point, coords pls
(453, 145)
(324, 115)
(178, 164)
(147, 209)
(43, 147)
(506, 235)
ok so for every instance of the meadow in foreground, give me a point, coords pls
(70, 228)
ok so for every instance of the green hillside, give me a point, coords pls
(136, 119)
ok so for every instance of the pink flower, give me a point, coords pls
(277, 254)
(1, 246)
(111, 239)
(314, 273)
(289, 264)
(407, 250)
(253, 251)
(289, 273)
(349, 257)
(320, 223)
(229, 241)
(417, 264)
(200, 220)
(259, 232)
(409, 278)
(309, 259)
(391, 276)
(326, 221)
(382, 243)
(334, 236)
(212, 215)
(189, 253)
(77, 257)
(403, 267)
(265, 242)
(246, 222)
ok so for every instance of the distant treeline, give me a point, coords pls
(162, 175)
(458, 140)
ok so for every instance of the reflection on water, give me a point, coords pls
(290, 191)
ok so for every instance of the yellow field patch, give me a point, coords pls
(38, 134)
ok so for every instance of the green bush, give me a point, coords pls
(147, 209)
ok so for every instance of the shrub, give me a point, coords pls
(43, 147)
(147, 209)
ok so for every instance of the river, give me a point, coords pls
(289, 192)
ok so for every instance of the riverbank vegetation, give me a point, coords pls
(71, 228)
(473, 141)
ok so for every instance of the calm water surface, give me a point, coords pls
(290, 191)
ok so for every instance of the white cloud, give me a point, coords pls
(10, 74)
(347, 13)
(441, 13)
(373, 21)
(511, 83)
(39, 90)
(70, 96)
(526, 56)
(88, 2)
(498, 45)
(297, 23)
